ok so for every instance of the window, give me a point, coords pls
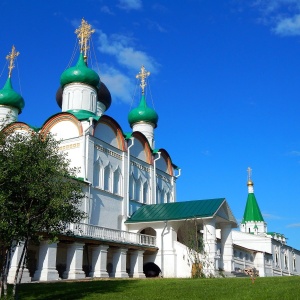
(117, 182)
(132, 185)
(158, 192)
(145, 193)
(96, 179)
(294, 263)
(285, 261)
(107, 179)
(138, 191)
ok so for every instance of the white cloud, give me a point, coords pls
(294, 225)
(156, 26)
(270, 216)
(288, 26)
(105, 9)
(120, 85)
(130, 4)
(283, 16)
(294, 153)
(120, 47)
(119, 75)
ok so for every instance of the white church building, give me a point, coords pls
(134, 226)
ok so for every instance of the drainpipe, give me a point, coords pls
(179, 173)
(87, 202)
(154, 175)
(128, 169)
(85, 146)
(173, 184)
(162, 248)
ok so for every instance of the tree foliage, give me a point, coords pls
(38, 191)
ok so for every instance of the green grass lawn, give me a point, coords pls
(221, 288)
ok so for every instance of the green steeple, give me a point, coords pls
(143, 113)
(252, 211)
(80, 73)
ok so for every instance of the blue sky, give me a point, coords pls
(224, 82)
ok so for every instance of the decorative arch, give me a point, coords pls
(16, 126)
(165, 163)
(109, 131)
(141, 148)
(63, 125)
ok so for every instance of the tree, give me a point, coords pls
(39, 193)
(192, 238)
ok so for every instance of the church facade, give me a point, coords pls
(134, 226)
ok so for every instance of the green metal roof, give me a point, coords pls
(81, 114)
(177, 211)
(252, 211)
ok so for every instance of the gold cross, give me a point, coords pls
(142, 76)
(84, 33)
(249, 170)
(11, 58)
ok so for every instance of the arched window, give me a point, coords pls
(107, 178)
(145, 193)
(168, 198)
(285, 261)
(158, 195)
(138, 191)
(294, 263)
(132, 184)
(97, 174)
(162, 196)
(117, 182)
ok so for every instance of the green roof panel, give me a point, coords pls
(176, 211)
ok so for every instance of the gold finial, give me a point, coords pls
(11, 58)
(142, 76)
(84, 33)
(249, 170)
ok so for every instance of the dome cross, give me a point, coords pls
(11, 58)
(143, 76)
(84, 33)
(249, 171)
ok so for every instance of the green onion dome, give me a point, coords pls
(11, 98)
(143, 113)
(80, 73)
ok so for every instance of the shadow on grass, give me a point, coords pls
(72, 290)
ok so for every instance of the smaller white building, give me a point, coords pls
(255, 247)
